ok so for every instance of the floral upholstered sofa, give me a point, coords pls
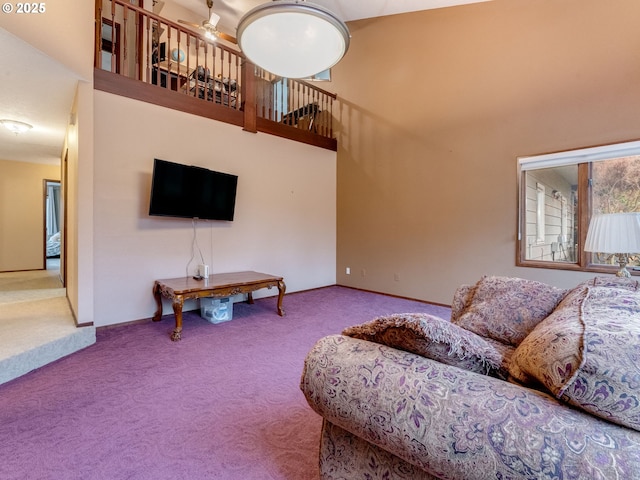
(526, 381)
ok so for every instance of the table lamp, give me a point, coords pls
(617, 234)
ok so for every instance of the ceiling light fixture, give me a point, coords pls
(292, 38)
(16, 126)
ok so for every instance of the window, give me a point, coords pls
(559, 193)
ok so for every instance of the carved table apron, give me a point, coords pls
(217, 285)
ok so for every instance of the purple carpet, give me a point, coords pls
(223, 403)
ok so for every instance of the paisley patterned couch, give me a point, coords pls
(525, 381)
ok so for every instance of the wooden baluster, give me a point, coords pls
(317, 124)
(275, 86)
(236, 94)
(221, 75)
(180, 65)
(226, 88)
(308, 108)
(330, 120)
(167, 82)
(214, 62)
(147, 48)
(114, 58)
(139, 45)
(271, 95)
(232, 75)
(97, 48)
(250, 118)
(273, 81)
(202, 85)
(301, 100)
(214, 71)
(297, 104)
(304, 107)
(325, 118)
(193, 81)
(185, 87)
(125, 41)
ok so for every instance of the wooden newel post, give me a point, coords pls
(249, 96)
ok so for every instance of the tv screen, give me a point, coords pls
(191, 192)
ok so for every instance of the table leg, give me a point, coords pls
(250, 298)
(158, 297)
(178, 302)
(281, 289)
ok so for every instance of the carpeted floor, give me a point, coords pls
(36, 322)
(223, 403)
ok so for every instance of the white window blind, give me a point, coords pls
(583, 155)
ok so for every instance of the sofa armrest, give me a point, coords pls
(457, 424)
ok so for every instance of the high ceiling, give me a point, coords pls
(231, 11)
(47, 104)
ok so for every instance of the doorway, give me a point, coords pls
(52, 225)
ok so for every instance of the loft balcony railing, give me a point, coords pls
(141, 55)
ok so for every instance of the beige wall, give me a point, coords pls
(435, 107)
(22, 214)
(285, 219)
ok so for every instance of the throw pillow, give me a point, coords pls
(551, 352)
(507, 309)
(434, 338)
(461, 299)
(588, 351)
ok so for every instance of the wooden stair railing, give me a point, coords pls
(141, 55)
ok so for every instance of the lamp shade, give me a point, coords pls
(614, 233)
(292, 39)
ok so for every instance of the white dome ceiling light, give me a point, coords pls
(292, 38)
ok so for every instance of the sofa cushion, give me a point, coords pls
(461, 300)
(626, 283)
(434, 338)
(587, 353)
(507, 309)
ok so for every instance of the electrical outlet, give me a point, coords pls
(348, 271)
(396, 277)
(363, 272)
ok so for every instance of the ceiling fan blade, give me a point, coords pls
(194, 25)
(226, 37)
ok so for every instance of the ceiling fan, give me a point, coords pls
(209, 26)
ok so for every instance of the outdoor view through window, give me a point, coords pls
(615, 187)
(559, 193)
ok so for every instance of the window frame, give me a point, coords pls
(584, 159)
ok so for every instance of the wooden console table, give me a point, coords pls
(217, 285)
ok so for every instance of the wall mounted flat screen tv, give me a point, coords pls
(191, 192)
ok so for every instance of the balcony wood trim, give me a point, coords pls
(297, 134)
(164, 97)
(127, 87)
